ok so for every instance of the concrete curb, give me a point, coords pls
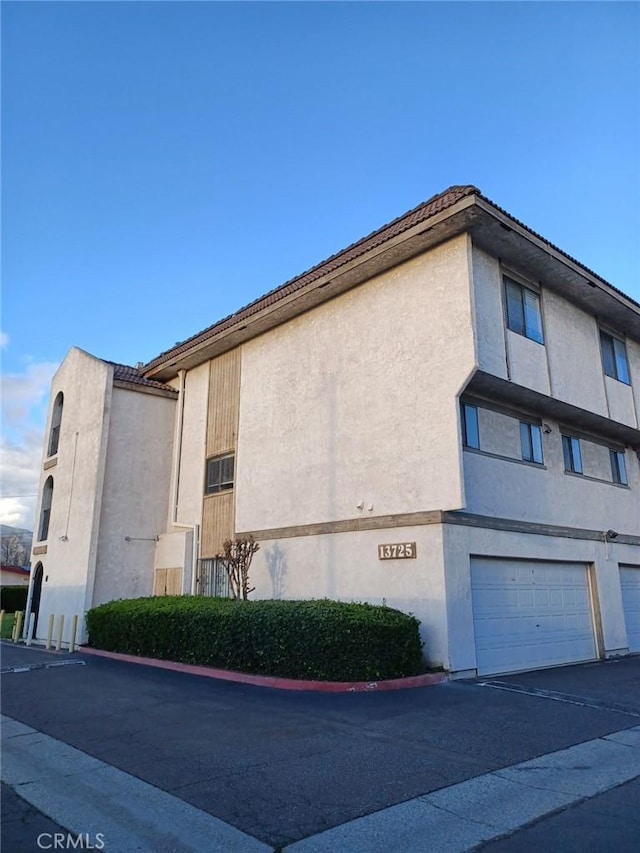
(424, 680)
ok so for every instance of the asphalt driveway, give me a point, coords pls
(283, 765)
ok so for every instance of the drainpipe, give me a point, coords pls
(175, 479)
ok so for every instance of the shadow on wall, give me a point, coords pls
(277, 565)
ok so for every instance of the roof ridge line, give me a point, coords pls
(458, 191)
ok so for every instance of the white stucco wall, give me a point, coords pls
(460, 543)
(568, 366)
(194, 436)
(547, 495)
(173, 550)
(345, 567)
(355, 401)
(499, 433)
(573, 349)
(528, 363)
(633, 354)
(136, 493)
(69, 563)
(621, 403)
(489, 314)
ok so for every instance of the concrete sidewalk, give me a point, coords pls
(90, 798)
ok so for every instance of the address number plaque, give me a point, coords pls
(397, 551)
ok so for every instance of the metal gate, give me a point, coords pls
(212, 579)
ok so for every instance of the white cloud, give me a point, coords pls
(4, 340)
(24, 397)
(22, 393)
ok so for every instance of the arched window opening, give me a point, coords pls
(56, 418)
(45, 512)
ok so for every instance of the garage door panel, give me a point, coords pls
(630, 587)
(529, 615)
(556, 599)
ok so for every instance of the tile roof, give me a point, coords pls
(434, 205)
(134, 376)
(15, 570)
(423, 211)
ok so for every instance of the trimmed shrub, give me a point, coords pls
(13, 598)
(323, 640)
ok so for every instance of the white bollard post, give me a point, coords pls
(74, 630)
(50, 632)
(60, 632)
(32, 620)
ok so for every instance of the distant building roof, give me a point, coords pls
(15, 570)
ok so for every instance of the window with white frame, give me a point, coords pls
(219, 477)
(614, 357)
(531, 442)
(524, 315)
(618, 467)
(470, 428)
(572, 454)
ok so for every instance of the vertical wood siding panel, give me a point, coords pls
(222, 436)
(160, 582)
(174, 581)
(217, 523)
(224, 403)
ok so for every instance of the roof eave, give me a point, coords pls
(491, 229)
(421, 237)
(517, 246)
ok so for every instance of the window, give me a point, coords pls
(56, 418)
(45, 512)
(219, 474)
(572, 454)
(531, 441)
(213, 579)
(614, 358)
(523, 311)
(470, 431)
(618, 467)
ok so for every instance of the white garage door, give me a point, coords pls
(630, 585)
(530, 614)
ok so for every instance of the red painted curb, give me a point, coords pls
(278, 683)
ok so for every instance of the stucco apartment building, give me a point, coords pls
(443, 417)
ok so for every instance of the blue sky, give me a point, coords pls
(165, 163)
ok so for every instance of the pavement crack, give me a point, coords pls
(457, 814)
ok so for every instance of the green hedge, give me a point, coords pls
(327, 640)
(13, 598)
